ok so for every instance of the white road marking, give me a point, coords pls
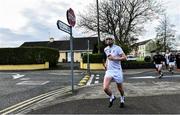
(152, 77)
(97, 77)
(17, 76)
(25, 79)
(143, 77)
(58, 73)
(90, 80)
(96, 82)
(32, 83)
(172, 76)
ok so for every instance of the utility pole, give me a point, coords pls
(97, 3)
(88, 64)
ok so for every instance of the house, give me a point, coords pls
(80, 45)
(143, 48)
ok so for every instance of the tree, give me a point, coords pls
(122, 18)
(165, 34)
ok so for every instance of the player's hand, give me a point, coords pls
(110, 57)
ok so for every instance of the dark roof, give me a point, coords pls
(78, 44)
(143, 42)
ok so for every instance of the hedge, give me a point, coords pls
(28, 55)
(93, 58)
(136, 65)
(98, 58)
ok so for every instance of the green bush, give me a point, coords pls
(98, 58)
(147, 59)
(28, 55)
(136, 65)
(93, 58)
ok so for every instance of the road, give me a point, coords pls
(18, 86)
(145, 93)
(139, 75)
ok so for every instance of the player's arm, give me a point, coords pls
(120, 57)
(105, 64)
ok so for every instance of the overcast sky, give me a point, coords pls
(35, 20)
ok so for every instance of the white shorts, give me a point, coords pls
(167, 61)
(115, 74)
(171, 63)
(158, 65)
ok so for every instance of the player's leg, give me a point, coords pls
(121, 90)
(160, 71)
(106, 84)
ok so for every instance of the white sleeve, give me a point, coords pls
(120, 51)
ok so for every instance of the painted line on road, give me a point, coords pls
(90, 80)
(143, 77)
(153, 77)
(97, 77)
(24, 79)
(84, 80)
(96, 82)
(32, 83)
(33, 100)
(17, 76)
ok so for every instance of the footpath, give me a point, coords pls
(156, 97)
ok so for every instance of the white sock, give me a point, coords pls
(122, 99)
(111, 97)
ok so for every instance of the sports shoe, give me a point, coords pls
(161, 75)
(111, 102)
(122, 102)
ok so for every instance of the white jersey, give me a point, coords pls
(166, 57)
(114, 51)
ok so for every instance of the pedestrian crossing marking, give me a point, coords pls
(97, 77)
(96, 82)
(90, 80)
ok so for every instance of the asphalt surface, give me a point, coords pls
(162, 104)
(157, 96)
(18, 86)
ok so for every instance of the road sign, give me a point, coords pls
(64, 27)
(68, 29)
(71, 17)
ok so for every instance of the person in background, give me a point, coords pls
(167, 59)
(178, 60)
(172, 59)
(158, 61)
(113, 68)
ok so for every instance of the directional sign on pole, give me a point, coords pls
(64, 27)
(68, 29)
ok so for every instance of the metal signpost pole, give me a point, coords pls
(68, 29)
(71, 18)
(72, 59)
(88, 64)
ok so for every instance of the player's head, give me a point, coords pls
(167, 51)
(109, 40)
